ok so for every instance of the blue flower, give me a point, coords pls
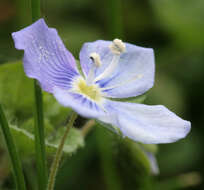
(110, 70)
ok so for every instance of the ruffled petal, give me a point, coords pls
(134, 74)
(45, 56)
(149, 124)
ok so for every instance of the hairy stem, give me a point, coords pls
(58, 156)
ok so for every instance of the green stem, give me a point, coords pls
(23, 16)
(114, 18)
(40, 138)
(109, 167)
(35, 4)
(58, 156)
(39, 122)
(15, 161)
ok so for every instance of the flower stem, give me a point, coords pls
(109, 167)
(58, 156)
(35, 4)
(15, 161)
(87, 127)
(114, 18)
(39, 121)
(40, 138)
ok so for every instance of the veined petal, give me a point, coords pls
(149, 124)
(134, 74)
(79, 103)
(45, 56)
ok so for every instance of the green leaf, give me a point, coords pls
(153, 148)
(16, 94)
(17, 97)
(112, 128)
(16, 90)
(25, 140)
(137, 156)
(131, 152)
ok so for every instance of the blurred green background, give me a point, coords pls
(175, 29)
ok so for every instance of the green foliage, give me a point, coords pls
(17, 97)
(16, 90)
(25, 140)
(132, 152)
(137, 156)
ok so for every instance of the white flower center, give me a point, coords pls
(88, 87)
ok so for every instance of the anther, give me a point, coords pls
(96, 59)
(117, 47)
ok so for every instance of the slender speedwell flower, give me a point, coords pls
(111, 70)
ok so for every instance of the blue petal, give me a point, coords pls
(45, 56)
(102, 48)
(134, 74)
(149, 124)
(79, 103)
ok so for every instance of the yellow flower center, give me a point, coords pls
(93, 91)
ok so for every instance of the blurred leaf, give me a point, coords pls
(133, 152)
(110, 127)
(25, 140)
(153, 148)
(137, 156)
(16, 93)
(106, 143)
(135, 160)
(15, 90)
(74, 140)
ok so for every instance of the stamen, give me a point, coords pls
(117, 47)
(97, 63)
(111, 67)
(96, 59)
